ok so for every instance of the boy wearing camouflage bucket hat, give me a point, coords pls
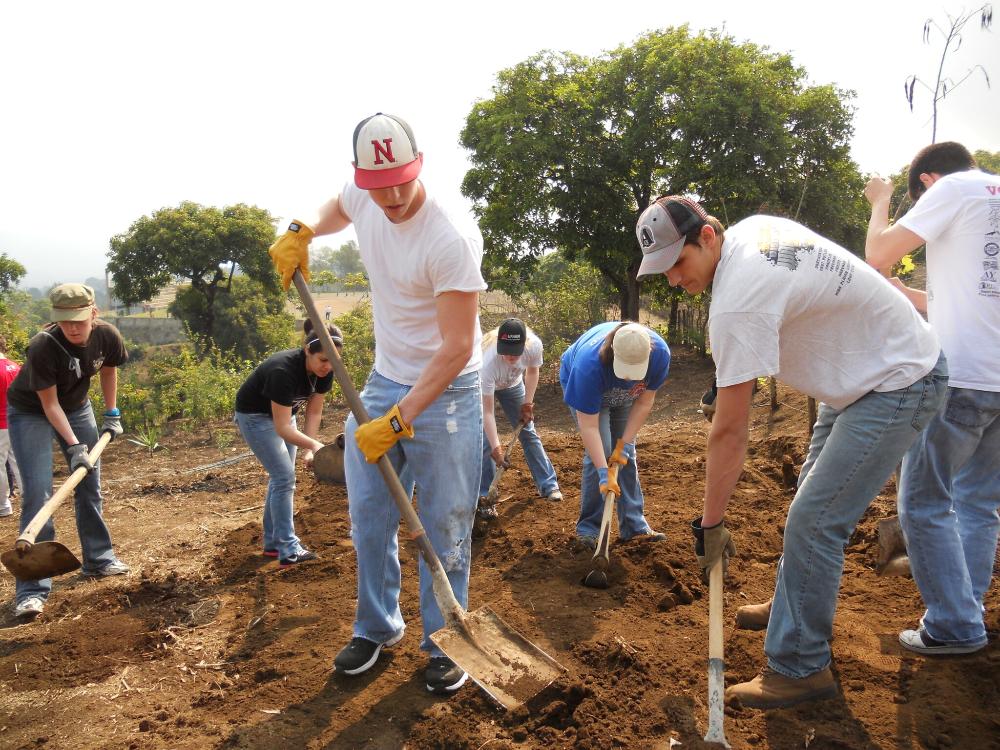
(49, 399)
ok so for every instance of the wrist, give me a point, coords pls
(112, 412)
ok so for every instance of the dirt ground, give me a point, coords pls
(206, 644)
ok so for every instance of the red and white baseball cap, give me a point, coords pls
(385, 153)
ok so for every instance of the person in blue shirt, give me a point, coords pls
(609, 378)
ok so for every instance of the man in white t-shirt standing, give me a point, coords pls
(791, 304)
(423, 394)
(950, 485)
(512, 360)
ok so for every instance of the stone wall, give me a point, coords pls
(154, 331)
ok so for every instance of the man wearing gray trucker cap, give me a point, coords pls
(791, 304)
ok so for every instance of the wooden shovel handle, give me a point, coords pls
(491, 493)
(27, 538)
(603, 549)
(443, 592)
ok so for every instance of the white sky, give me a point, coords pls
(112, 110)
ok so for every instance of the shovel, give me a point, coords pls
(716, 664)
(597, 578)
(29, 561)
(892, 557)
(328, 462)
(492, 495)
(500, 660)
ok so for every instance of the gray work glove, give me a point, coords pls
(78, 456)
(112, 423)
(712, 544)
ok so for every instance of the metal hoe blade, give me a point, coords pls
(41, 560)
(505, 664)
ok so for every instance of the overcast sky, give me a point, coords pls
(112, 110)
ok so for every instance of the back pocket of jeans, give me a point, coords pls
(961, 411)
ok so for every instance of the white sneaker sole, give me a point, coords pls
(371, 662)
(450, 688)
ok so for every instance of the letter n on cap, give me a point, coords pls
(383, 149)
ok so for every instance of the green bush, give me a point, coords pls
(358, 327)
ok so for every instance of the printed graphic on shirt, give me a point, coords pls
(989, 282)
(784, 249)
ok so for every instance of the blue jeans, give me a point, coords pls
(948, 500)
(631, 521)
(539, 465)
(278, 460)
(852, 453)
(31, 438)
(442, 462)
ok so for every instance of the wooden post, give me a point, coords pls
(812, 414)
(772, 387)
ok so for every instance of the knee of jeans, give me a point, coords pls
(456, 559)
(283, 480)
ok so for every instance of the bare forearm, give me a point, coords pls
(877, 224)
(443, 368)
(490, 423)
(109, 387)
(592, 443)
(314, 416)
(727, 449)
(637, 416)
(60, 423)
(530, 384)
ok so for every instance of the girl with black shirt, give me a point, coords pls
(266, 405)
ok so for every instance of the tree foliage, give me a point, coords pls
(988, 162)
(570, 149)
(11, 272)
(204, 245)
(250, 321)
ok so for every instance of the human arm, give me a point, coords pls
(885, 245)
(531, 375)
(287, 431)
(332, 218)
(727, 449)
(917, 297)
(314, 415)
(55, 414)
(456, 320)
(490, 426)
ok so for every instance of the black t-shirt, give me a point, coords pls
(283, 379)
(69, 368)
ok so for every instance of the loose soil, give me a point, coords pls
(206, 644)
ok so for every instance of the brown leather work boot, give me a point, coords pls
(772, 690)
(754, 616)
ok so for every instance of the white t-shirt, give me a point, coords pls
(497, 374)
(409, 265)
(959, 219)
(789, 303)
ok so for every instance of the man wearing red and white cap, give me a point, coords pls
(424, 268)
(791, 304)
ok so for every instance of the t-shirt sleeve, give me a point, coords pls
(584, 387)
(532, 352)
(42, 364)
(744, 347)
(117, 354)
(936, 210)
(455, 268)
(349, 197)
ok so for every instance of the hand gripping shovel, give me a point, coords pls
(29, 561)
(500, 660)
(716, 664)
(493, 493)
(597, 578)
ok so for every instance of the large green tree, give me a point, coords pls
(204, 245)
(570, 149)
(12, 327)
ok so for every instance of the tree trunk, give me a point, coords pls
(628, 299)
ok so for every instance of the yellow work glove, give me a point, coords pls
(622, 453)
(291, 251)
(376, 437)
(608, 479)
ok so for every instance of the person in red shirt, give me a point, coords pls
(8, 371)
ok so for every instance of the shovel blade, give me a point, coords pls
(892, 559)
(328, 462)
(505, 664)
(40, 560)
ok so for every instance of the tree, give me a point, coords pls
(202, 244)
(570, 149)
(988, 162)
(11, 272)
(250, 321)
(952, 42)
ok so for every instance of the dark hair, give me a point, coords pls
(941, 158)
(606, 354)
(312, 343)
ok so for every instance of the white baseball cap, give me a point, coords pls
(631, 345)
(385, 153)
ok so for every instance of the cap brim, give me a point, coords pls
(76, 314)
(375, 179)
(509, 349)
(625, 371)
(660, 261)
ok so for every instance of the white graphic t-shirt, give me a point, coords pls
(409, 265)
(789, 303)
(959, 219)
(496, 374)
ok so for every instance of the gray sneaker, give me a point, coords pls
(30, 607)
(584, 544)
(6, 508)
(114, 568)
(555, 496)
